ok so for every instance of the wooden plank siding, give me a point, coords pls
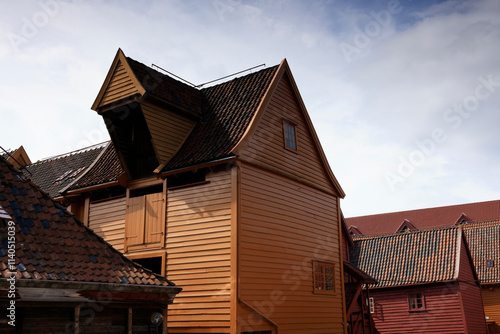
(168, 130)
(198, 242)
(470, 293)
(107, 219)
(284, 225)
(120, 86)
(266, 147)
(491, 302)
(443, 312)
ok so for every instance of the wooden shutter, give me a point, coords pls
(134, 221)
(154, 218)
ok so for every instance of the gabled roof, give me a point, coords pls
(409, 258)
(53, 247)
(387, 223)
(18, 158)
(484, 244)
(106, 168)
(56, 173)
(406, 226)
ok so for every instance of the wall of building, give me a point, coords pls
(284, 226)
(443, 312)
(198, 244)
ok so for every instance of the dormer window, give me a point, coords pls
(290, 135)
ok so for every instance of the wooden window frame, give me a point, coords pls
(371, 305)
(323, 290)
(490, 263)
(146, 255)
(294, 127)
(145, 238)
(419, 295)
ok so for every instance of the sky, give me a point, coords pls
(403, 95)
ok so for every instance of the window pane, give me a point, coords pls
(319, 277)
(329, 278)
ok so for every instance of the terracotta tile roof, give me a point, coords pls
(56, 173)
(107, 168)
(408, 258)
(388, 223)
(484, 244)
(52, 245)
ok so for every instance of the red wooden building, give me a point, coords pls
(481, 223)
(426, 282)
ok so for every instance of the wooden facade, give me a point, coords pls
(436, 292)
(491, 302)
(244, 233)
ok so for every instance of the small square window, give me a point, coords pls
(290, 135)
(324, 277)
(490, 263)
(416, 301)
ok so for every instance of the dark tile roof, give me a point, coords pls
(52, 245)
(484, 244)
(228, 109)
(167, 88)
(388, 223)
(107, 168)
(226, 112)
(408, 258)
(56, 173)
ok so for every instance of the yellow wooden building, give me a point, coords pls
(226, 191)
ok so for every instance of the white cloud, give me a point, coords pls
(367, 112)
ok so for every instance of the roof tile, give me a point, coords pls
(60, 249)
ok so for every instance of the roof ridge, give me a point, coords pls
(423, 209)
(378, 236)
(67, 154)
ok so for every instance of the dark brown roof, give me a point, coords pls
(52, 245)
(56, 173)
(408, 258)
(107, 168)
(388, 223)
(228, 109)
(484, 244)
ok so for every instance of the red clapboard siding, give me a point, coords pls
(442, 315)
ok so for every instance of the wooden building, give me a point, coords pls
(57, 276)
(357, 292)
(426, 282)
(484, 243)
(227, 191)
(481, 223)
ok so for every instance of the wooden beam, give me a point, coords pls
(77, 320)
(129, 321)
(165, 322)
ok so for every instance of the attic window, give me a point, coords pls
(290, 135)
(490, 263)
(186, 179)
(416, 301)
